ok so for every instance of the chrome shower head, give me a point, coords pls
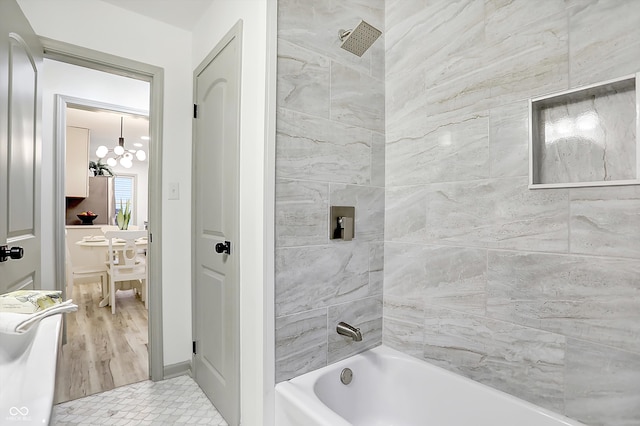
(359, 39)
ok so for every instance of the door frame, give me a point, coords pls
(61, 103)
(93, 59)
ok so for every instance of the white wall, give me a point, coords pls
(221, 16)
(103, 27)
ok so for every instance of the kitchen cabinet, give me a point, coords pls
(77, 165)
(100, 201)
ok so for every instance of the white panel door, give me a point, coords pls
(20, 61)
(215, 289)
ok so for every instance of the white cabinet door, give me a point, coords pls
(77, 166)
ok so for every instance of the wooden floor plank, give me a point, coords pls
(103, 351)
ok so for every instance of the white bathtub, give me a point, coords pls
(28, 372)
(390, 388)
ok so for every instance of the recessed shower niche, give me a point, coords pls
(585, 137)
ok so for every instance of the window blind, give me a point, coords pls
(123, 190)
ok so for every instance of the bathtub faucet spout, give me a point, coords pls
(347, 330)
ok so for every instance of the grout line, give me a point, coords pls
(569, 221)
(360, 185)
(568, 12)
(511, 250)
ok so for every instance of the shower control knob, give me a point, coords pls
(7, 253)
(224, 247)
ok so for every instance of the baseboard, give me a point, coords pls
(175, 370)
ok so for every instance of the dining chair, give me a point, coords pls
(95, 271)
(125, 263)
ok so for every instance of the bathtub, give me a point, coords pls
(390, 388)
(28, 372)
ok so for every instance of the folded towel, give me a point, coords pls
(29, 301)
(15, 323)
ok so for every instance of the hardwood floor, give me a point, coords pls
(103, 351)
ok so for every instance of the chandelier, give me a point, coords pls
(120, 154)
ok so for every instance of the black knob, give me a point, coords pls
(13, 253)
(224, 247)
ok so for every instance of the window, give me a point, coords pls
(124, 190)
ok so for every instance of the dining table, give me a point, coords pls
(99, 242)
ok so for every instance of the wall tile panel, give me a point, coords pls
(594, 299)
(509, 140)
(527, 60)
(497, 213)
(405, 213)
(301, 343)
(356, 98)
(500, 354)
(376, 268)
(302, 213)
(313, 148)
(312, 277)
(610, 52)
(449, 277)
(365, 314)
(606, 221)
(377, 159)
(403, 324)
(303, 80)
(453, 151)
(602, 384)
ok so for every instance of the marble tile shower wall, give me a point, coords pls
(534, 292)
(330, 151)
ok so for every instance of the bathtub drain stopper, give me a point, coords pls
(346, 376)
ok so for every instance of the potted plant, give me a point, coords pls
(124, 216)
(98, 168)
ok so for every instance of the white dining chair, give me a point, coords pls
(96, 271)
(125, 263)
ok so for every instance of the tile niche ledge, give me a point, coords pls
(586, 136)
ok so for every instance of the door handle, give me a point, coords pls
(7, 253)
(224, 247)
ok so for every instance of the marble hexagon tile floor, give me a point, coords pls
(170, 402)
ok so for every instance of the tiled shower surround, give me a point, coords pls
(330, 151)
(534, 292)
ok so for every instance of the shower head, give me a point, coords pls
(359, 39)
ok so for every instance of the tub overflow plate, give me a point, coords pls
(346, 376)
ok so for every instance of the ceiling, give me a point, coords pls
(104, 128)
(179, 13)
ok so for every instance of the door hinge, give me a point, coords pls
(195, 111)
(194, 347)
(150, 237)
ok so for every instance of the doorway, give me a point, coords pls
(116, 66)
(105, 347)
